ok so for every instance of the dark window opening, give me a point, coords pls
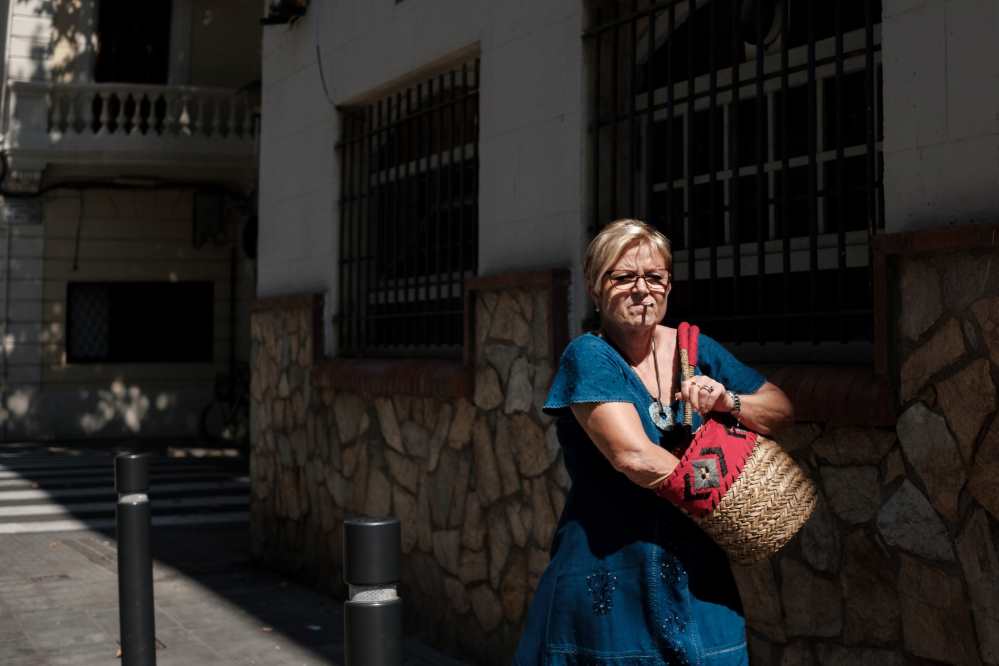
(139, 322)
(134, 40)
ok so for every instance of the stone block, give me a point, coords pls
(853, 446)
(977, 552)
(388, 424)
(869, 582)
(519, 392)
(908, 521)
(404, 508)
(439, 435)
(534, 455)
(460, 432)
(986, 312)
(506, 458)
(474, 566)
(945, 347)
(473, 530)
(488, 394)
(919, 285)
(543, 513)
(501, 357)
(378, 499)
(933, 453)
(831, 654)
(405, 471)
(966, 399)
(820, 542)
(457, 597)
(513, 588)
(983, 478)
(508, 322)
(487, 476)
(936, 620)
(761, 599)
(487, 607)
(853, 492)
(447, 547)
(351, 419)
(499, 545)
(812, 604)
(415, 439)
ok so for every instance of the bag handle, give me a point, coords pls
(686, 341)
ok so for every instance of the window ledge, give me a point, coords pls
(421, 377)
(836, 395)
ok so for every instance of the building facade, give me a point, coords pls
(129, 176)
(430, 175)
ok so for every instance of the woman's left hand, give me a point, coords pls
(704, 394)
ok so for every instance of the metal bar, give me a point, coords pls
(735, 183)
(670, 114)
(461, 185)
(397, 209)
(343, 342)
(370, 144)
(595, 166)
(438, 261)
(712, 176)
(649, 99)
(452, 251)
(359, 207)
(410, 252)
(785, 174)
(762, 180)
(688, 132)
(425, 232)
(379, 228)
(840, 172)
(812, 174)
(475, 164)
(869, 82)
(615, 97)
(633, 129)
(654, 7)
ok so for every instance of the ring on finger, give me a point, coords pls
(706, 388)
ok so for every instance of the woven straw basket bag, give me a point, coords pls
(740, 487)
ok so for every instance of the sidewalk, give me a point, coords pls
(58, 604)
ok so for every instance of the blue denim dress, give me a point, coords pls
(631, 581)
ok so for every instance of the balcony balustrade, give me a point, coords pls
(126, 130)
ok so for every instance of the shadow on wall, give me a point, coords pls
(117, 410)
(72, 45)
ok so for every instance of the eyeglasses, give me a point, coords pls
(654, 280)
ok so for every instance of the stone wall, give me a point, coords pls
(899, 565)
(476, 481)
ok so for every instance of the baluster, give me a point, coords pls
(58, 116)
(70, 101)
(235, 129)
(119, 116)
(88, 111)
(198, 120)
(217, 102)
(135, 118)
(184, 119)
(105, 118)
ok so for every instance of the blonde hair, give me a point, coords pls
(611, 243)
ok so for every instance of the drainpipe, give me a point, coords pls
(6, 331)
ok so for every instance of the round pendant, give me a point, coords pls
(660, 416)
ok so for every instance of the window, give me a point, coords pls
(134, 41)
(409, 217)
(749, 131)
(139, 322)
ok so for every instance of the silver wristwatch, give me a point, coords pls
(736, 402)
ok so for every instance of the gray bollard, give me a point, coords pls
(135, 562)
(372, 618)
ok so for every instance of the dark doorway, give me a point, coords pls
(134, 41)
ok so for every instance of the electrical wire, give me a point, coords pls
(319, 55)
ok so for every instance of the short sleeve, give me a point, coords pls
(718, 363)
(587, 372)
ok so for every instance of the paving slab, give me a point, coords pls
(58, 604)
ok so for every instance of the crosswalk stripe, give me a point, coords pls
(51, 491)
(71, 508)
(19, 495)
(227, 518)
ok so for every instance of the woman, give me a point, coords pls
(631, 579)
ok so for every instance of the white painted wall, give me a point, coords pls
(941, 96)
(532, 132)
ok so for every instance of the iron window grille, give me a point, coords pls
(748, 131)
(409, 184)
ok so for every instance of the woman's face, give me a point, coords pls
(634, 290)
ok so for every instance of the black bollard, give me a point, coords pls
(372, 618)
(135, 562)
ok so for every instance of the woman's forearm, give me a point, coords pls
(765, 411)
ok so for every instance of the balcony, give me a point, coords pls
(64, 133)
